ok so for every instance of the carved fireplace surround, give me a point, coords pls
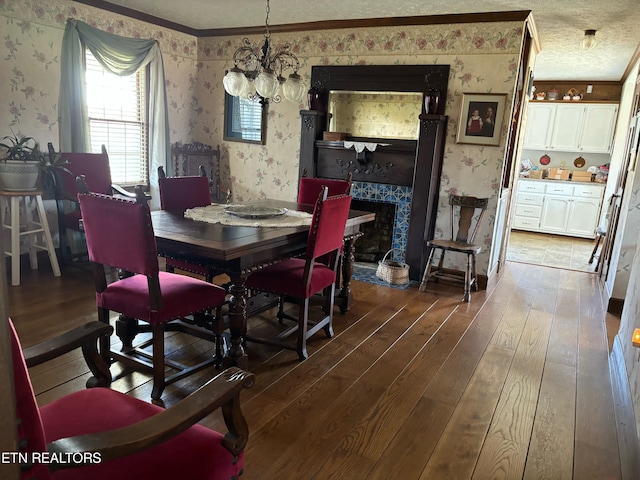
(402, 172)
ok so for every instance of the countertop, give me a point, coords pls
(550, 180)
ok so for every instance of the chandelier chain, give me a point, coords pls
(267, 33)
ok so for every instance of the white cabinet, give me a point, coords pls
(598, 128)
(583, 217)
(570, 127)
(555, 213)
(562, 208)
(567, 127)
(539, 122)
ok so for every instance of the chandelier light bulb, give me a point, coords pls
(235, 82)
(266, 83)
(293, 89)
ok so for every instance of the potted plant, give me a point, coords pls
(22, 163)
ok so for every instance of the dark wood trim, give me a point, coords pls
(615, 305)
(518, 15)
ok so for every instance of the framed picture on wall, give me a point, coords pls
(480, 121)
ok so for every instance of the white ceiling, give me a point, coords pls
(560, 24)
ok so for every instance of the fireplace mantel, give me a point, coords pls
(416, 164)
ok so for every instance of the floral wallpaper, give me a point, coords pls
(375, 114)
(483, 58)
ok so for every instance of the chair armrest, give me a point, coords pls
(222, 391)
(86, 337)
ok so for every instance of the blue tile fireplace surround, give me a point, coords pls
(397, 195)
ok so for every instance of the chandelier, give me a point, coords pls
(261, 71)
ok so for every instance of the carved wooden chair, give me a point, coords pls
(465, 209)
(189, 157)
(179, 194)
(119, 234)
(103, 434)
(302, 277)
(95, 168)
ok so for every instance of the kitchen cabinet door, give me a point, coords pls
(597, 131)
(539, 125)
(567, 128)
(583, 217)
(555, 213)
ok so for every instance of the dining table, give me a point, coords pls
(240, 250)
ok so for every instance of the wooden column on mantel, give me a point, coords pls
(313, 124)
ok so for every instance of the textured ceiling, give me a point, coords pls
(560, 24)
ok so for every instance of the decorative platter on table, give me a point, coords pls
(254, 211)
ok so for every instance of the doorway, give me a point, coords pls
(549, 250)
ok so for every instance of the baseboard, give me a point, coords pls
(628, 444)
(615, 305)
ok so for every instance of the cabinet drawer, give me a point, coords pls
(533, 187)
(525, 198)
(560, 189)
(527, 223)
(528, 211)
(590, 191)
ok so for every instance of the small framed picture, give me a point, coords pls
(481, 118)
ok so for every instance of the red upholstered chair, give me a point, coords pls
(95, 168)
(179, 194)
(302, 277)
(123, 437)
(309, 188)
(120, 234)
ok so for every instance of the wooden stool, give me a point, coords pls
(30, 229)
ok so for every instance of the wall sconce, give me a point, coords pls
(589, 39)
(635, 339)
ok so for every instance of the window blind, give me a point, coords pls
(118, 119)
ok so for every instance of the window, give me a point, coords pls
(244, 120)
(117, 110)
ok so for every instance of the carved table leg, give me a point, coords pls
(236, 355)
(345, 298)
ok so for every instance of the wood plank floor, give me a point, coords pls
(414, 385)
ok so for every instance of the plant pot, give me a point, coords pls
(16, 175)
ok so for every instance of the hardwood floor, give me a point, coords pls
(413, 385)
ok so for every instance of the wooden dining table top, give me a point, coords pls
(237, 248)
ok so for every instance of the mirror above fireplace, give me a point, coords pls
(392, 115)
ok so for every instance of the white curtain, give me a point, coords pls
(121, 56)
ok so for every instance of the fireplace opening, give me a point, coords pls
(378, 235)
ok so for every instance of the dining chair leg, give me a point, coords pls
(474, 279)
(467, 281)
(441, 262)
(303, 323)
(329, 293)
(157, 332)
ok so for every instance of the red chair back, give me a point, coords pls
(119, 233)
(326, 233)
(30, 425)
(95, 168)
(310, 188)
(180, 193)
